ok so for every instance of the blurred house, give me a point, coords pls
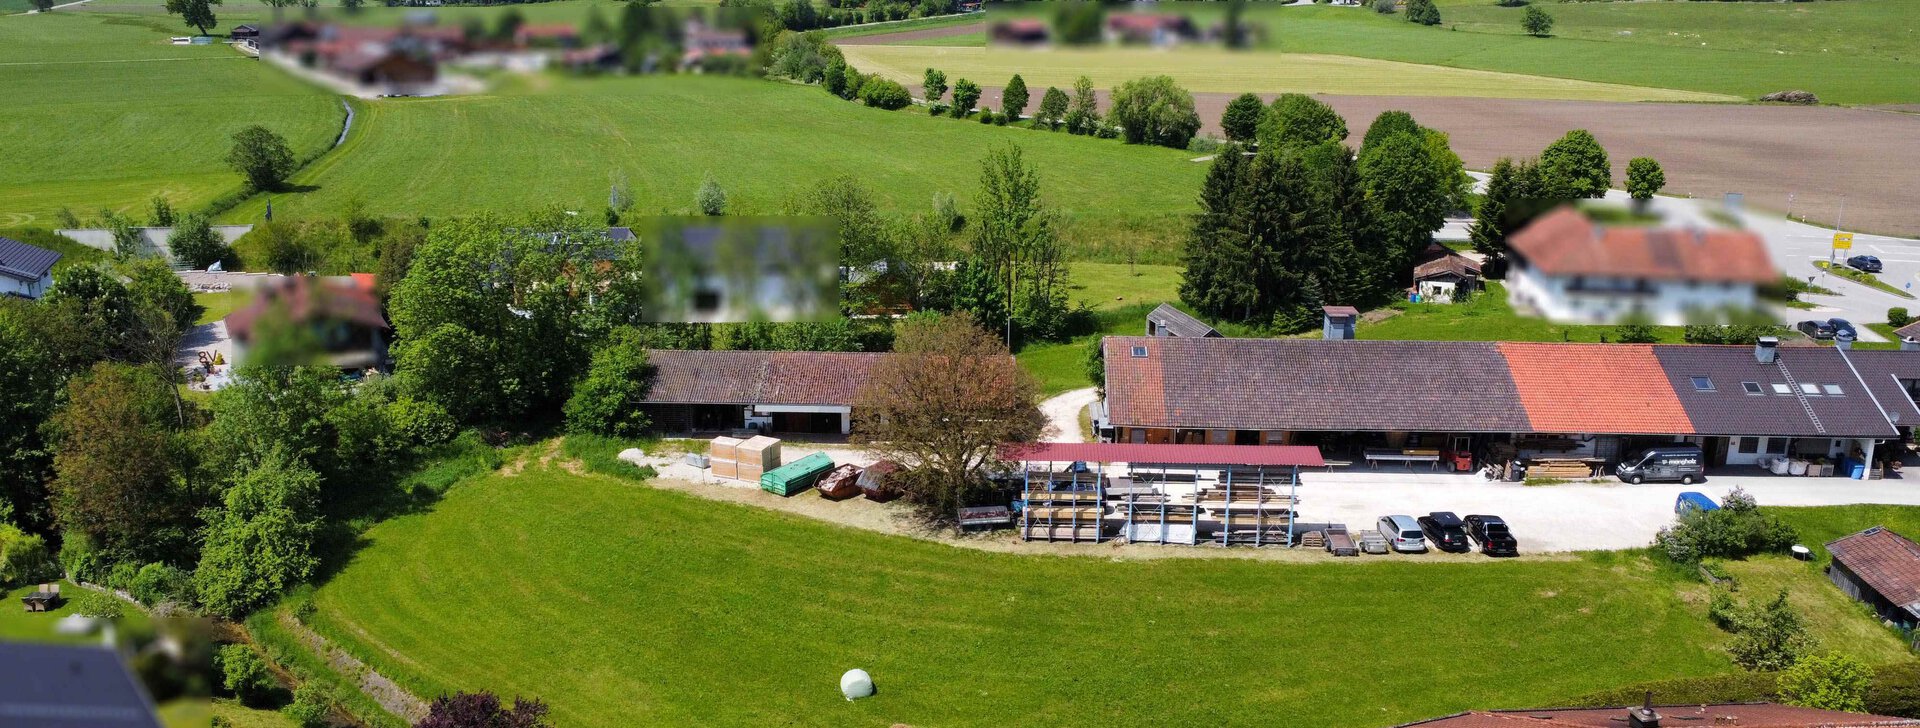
(1566, 268)
(25, 270)
(53, 686)
(1155, 29)
(397, 61)
(341, 314)
(704, 45)
(1019, 31)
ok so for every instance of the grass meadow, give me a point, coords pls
(620, 604)
(553, 141)
(104, 113)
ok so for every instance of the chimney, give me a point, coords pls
(1765, 349)
(1643, 716)
(1908, 343)
(1336, 322)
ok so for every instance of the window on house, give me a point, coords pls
(1779, 388)
(1776, 446)
(1139, 352)
(1833, 389)
(1752, 388)
(1810, 388)
(1749, 445)
(1702, 384)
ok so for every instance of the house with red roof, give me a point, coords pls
(1566, 268)
(342, 316)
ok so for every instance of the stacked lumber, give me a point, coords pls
(723, 457)
(1560, 469)
(1314, 540)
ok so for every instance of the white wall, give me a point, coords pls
(33, 289)
(1666, 303)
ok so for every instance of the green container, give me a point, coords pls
(796, 476)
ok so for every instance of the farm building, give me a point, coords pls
(1566, 268)
(1442, 276)
(1165, 320)
(1749, 715)
(1881, 568)
(25, 270)
(56, 686)
(772, 391)
(1460, 401)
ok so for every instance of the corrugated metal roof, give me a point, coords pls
(1133, 453)
(1178, 323)
(25, 262)
(53, 686)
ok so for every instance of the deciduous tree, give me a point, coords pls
(1834, 681)
(1083, 112)
(934, 85)
(194, 242)
(1645, 178)
(1299, 119)
(965, 95)
(262, 156)
(1536, 22)
(1576, 165)
(1053, 108)
(117, 480)
(261, 543)
(1154, 110)
(1423, 12)
(607, 401)
(197, 13)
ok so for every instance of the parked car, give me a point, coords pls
(1866, 263)
(1693, 501)
(1403, 534)
(1816, 330)
(1669, 462)
(1445, 531)
(1492, 534)
(1843, 329)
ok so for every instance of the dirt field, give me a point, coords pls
(911, 35)
(1818, 155)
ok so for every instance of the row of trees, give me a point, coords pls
(1305, 222)
(1573, 167)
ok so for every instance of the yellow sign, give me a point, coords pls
(1843, 241)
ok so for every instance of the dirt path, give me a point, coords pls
(1063, 414)
(391, 697)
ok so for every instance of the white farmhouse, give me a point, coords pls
(25, 270)
(1566, 268)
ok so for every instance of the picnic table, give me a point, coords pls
(1377, 455)
(43, 599)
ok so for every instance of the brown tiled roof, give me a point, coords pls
(759, 377)
(1883, 371)
(1459, 265)
(1564, 242)
(308, 299)
(1611, 388)
(1886, 561)
(1912, 329)
(1744, 715)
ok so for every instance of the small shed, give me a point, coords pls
(796, 476)
(1165, 320)
(1446, 277)
(244, 32)
(1881, 568)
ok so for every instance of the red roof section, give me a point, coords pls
(1121, 452)
(307, 299)
(1743, 715)
(1612, 388)
(1886, 561)
(1565, 242)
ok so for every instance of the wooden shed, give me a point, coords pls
(1881, 568)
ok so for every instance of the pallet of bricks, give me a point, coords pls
(723, 457)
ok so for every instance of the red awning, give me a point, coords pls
(1136, 454)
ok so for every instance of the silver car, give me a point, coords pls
(1403, 534)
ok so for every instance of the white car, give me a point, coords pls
(1403, 534)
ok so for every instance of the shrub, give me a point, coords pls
(310, 706)
(1155, 110)
(1737, 530)
(1203, 145)
(1771, 637)
(965, 94)
(1827, 682)
(121, 575)
(1512, 3)
(1635, 333)
(88, 603)
(157, 582)
(1384, 7)
(1001, 119)
(1898, 317)
(1537, 22)
(420, 421)
(262, 156)
(245, 674)
(986, 117)
(711, 199)
(1422, 12)
(607, 400)
(24, 558)
(78, 558)
(1723, 610)
(483, 710)
(885, 94)
(195, 244)
(1241, 120)
(1106, 131)
(936, 109)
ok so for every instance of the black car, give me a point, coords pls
(1866, 263)
(1445, 531)
(1816, 330)
(1843, 329)
(1492, 535)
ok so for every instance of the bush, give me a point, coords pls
(936, 109)
(1827, 682)
(986, 117)
(1422, 12)
(78, 558)
(1203, 145)
(1106, 131)
(24, 558)
(1723, 610)
(1537, 22)
(121, 575)
(1737, 530)
(159, 582)
(421, 422)
(1000, 119)
(89, 603)
(1635, 333)
(1771, 637)
(711, 199)
(195, 244)
(1898, 317)
(1384, 7)
(245, 674)
(310, 706)
(885, 94)
(965, 94)
(1155, 110)
(607, 400)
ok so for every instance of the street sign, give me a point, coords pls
(1843, 241)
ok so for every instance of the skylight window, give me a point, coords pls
(1752, 388)
(1702, 384)
(1779, 388)
(1810, 388)
(1139, 352)
(1833, 389)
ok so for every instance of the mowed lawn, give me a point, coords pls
(624, 605)
(556, 141)
(103, 112)
(1228, 72)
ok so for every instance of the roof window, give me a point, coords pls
(1810, 388)
(1831, 388)
(1780, 388)
(1752, 388)
(1702, 384)
(1139, 352)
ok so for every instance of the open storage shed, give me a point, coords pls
(1161, 493)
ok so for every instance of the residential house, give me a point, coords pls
(1589, 401)
(26, 271)
(703, 44)
(1444, 276)
(343, 316)
(1019, 32)
(1881, 568)
(1155, 29)
(58, 686)
(1743, 715)
(1566, 268)
(771, 391)
(1165, 320)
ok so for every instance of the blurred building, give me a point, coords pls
(52, 686)
(1566, 268)
(339, 316)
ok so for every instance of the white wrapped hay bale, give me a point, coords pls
(634, 456)
(856, 684)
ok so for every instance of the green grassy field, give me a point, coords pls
(1120, 296)
(557, 141)
(219, 304)
(651, 607)
(945, 21)
(104, 113)
(18, 624)
(1848, 52)
(1227, 72)
(1487, 317)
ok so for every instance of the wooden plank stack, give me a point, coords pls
(755, 456)
(1554, 468)
(722, 457)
